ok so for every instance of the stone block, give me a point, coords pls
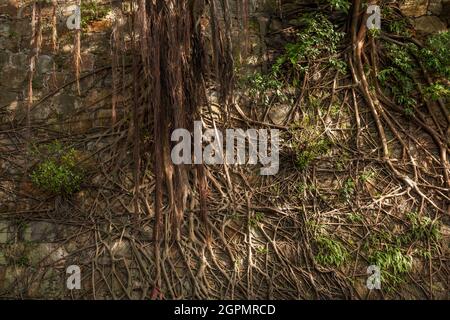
(4, 28)
(49, 284)
(11, 275)
(47, 253)
(435, 7)
(66, 103)
(44, 64)
(13, 76)
(4, 58)
(19, 59)
(4, 232)
(414, 8)
(445, 13)
(429, 24)
(121, 249)
(41, 231)
(279, 113)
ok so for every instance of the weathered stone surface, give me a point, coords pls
(45, 64)
(7, 97)
(49, 284)
(4, 57)
(26, 233)
(445, 13)
(9, 7)
(11, 109)
(275, 25)
(429, 24)
(66, 103)
(2, 258)
(4, 28)
(414, 8)
(279, 113)
(121, 248)
(19, 59)
(47, 253)
(81, 124)
(41, 231)
(12, 76)
(3, 237)
(87, 62)
(41, 113)
(435, 7)
(15, 252)
(10, 275)
(68, 48)
(4, 232)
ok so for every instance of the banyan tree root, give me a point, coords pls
(378, 113)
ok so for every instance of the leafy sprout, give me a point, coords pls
(57, 171)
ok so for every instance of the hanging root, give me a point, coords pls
(77, 54)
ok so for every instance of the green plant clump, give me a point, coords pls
(393, 264)
(437, 91)
(398, 77)
(92, 11)
(331, 252)
(254, 221)
(436, 54)
(310, 152)
(316, 30)
(342, 5)
(422, 228)
(348, 189)
(264, 88)
(58, 173)
(399, 26)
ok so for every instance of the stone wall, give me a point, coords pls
(428, 16)
(53, 71)
(28, 246)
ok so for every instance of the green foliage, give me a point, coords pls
(436, 54)
(375, 33)
(264, 87)
(310, 151)
(256, 219)
(316, 31)
(393, 259)
(341, 5)
(393, 263)
(348, 189)
(330, 252)
(422, 228)
(22, 261)
(367, 175)
(399, 26)
(262, 250)
(437, 91)
(338, 64)
(398, 77)
(57, 171)
(308, 142)
(92, 11)
(393, 251)
(355, 217)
